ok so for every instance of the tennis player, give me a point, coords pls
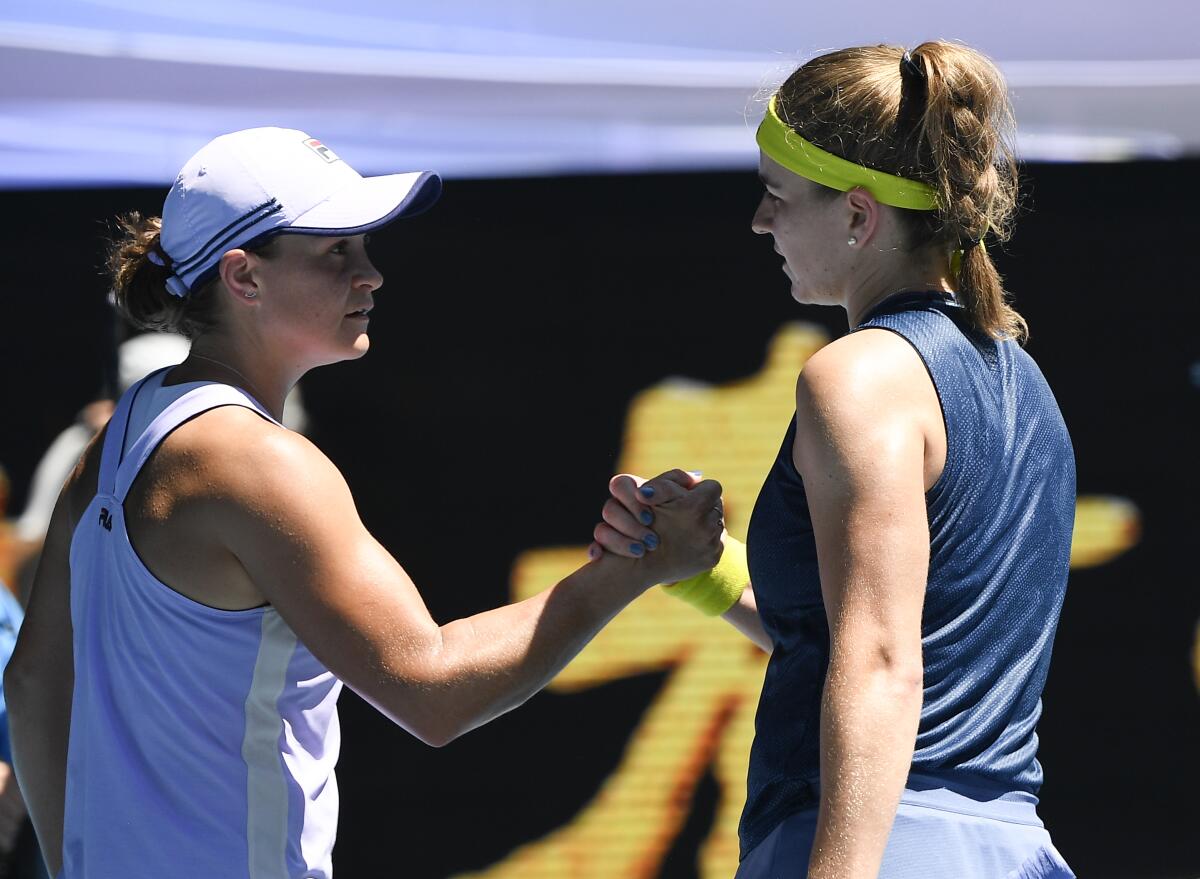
(207, 584)
(910, 545)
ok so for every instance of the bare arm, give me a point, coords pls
(40, 676)
(350, 602)
(862, 414)
(744, 617)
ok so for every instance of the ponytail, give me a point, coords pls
(966, 130)
(139, 281)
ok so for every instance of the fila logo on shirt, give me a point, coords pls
(321, 150)
(106, 519)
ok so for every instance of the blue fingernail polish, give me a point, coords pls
(636, 548)
(646, 491)
(650, 540)
(646, 516)
(699, 474)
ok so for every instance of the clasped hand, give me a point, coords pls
(672, 523)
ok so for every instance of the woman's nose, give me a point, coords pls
(761, 221)
(370, 275)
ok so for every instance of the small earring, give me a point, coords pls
(852, 241)
(250, 294)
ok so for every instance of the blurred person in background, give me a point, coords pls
(18, 859)
(137, 357)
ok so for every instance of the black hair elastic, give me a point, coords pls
(968, 243)
(912, 65)
(914, 89)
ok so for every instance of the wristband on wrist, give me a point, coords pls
(715, 591)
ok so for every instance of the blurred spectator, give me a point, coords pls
(19, 857)
(137, 357)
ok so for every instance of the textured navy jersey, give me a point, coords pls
(1000, 522)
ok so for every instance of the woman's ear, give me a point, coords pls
(237, 275)
(862, 216)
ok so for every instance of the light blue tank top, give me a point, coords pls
(1000, 523)
(203, 741)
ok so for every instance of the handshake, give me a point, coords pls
(672, 525)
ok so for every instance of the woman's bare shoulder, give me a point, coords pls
(233, 447)
(866, 368)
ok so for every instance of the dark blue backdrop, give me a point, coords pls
(508, 339)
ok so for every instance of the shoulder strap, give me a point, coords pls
(187, 407)
(114, 438)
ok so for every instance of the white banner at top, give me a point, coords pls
(105, 92)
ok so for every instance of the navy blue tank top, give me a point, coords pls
(1000, 522)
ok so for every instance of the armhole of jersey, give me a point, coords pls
(939, 484)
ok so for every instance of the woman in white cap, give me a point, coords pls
(207, 583)
(910, 545)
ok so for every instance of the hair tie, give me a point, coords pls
(913, 65)
(914, 92)
(176, 287)
(174, 283)
(968, 243)
(966, 246)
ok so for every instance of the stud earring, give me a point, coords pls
(250, 294)
(852, 241)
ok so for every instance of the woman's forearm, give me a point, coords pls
(494, 661)
(472, 670)
(869, 718)
(744, 617)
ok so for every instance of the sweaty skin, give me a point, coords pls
(869, 443)
(234, 512)
(870, 440)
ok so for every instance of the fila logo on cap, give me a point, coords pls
(321, 150)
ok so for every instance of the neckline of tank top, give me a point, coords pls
(909, 299)
(155, 381)
(153, 384)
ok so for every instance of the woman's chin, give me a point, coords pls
(342, 353)
(800, 293)
(806, 295)
(359, 345)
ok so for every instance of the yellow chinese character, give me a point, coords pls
(704, 715)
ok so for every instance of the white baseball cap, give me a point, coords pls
(246, 186)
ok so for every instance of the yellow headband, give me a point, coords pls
(793, 152)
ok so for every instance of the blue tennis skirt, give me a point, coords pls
(939, 833)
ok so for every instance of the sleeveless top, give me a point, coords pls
(1000, 523)
(202, 741)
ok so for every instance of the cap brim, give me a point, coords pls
(370, 203)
